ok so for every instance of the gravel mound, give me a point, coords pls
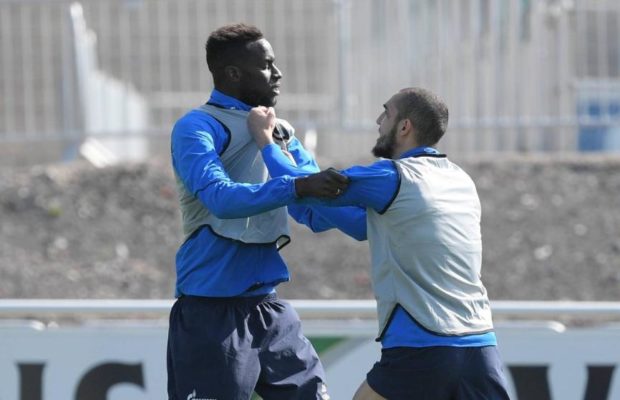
(551, 231)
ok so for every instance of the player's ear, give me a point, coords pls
(232, 73)
(405, 126)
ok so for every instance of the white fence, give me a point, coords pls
(518, 75)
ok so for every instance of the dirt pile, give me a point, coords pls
(551, 230)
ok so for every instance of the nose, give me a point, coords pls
(380, 118)
(276, 74)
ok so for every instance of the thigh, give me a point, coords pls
(290, 366)
(405, 373)
(365, 392)
(483, 376)
(209, 355)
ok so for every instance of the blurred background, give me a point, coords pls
(89, 92)
(519, 75)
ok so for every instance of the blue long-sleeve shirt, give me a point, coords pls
(208, 264)
(211, 265)
(374, 186)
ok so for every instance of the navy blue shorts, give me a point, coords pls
(227, 348)
(439, 373)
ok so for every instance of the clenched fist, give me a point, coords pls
(261, 122)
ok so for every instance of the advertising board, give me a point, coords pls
(115, 361)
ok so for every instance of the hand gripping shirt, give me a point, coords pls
(243, 162)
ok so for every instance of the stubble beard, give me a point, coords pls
(252, 100)
(267, 101)
(258, 96)
(384, 148)
(271, 101)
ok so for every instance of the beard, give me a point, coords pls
(256, 92)
(254, 99)
(384, 148)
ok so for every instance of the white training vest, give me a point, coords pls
(426, 250)
(243, 162)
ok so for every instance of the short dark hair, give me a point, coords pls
(427, 112)
(223, 44)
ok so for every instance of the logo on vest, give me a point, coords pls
(323, 392)
(192, 396)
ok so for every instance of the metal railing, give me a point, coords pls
(305, 308)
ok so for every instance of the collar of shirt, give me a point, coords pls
(416, 151)
(228, 102)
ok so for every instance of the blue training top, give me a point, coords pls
(210, 265)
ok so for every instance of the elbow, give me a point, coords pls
(360, 237)
(224, 215)
(231, 215)
(308, 223)
(229, 211)
(316, 229)
(223, 212)
(220, 213)
(220, 209)
(358, 233)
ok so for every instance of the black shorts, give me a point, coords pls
(227, 348)
(439, 373)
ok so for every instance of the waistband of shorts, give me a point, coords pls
(237, 300)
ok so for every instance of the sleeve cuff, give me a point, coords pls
(273, 152)
(270, 150)
(292, 191)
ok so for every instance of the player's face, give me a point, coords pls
(387, 121)
(260, 78)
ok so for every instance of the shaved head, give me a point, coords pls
(427, 112)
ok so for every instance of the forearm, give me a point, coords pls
(227, 199)
(349, 220)
(197, 144)
(204, 177)
(373, 187)
(278, 164)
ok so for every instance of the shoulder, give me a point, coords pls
(199, 125)
(384, 165)
(198, 122)
(196, 119)
(422, 163)
(383, 168)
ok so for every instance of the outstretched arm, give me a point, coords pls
(373, 187)
(196, 148)
(196, 144)
(350, 220)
